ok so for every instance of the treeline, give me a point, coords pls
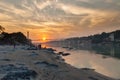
(104, 43)
(97, 39)
(17, 38)
(106, 37)
(13, 39)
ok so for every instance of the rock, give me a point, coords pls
(50, 50)
(46, 64)
(87, 69)
(33, 54)
(13, 72)
(65, 54)
(25, 75)
(32, 48)
(60, 53)
(5, 59)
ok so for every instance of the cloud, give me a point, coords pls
(69, 17)
(74, 9)
(106, 5)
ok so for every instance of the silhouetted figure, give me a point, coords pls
(39, 47)
(14, 46)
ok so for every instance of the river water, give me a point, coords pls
(105, 65)
(100, 59)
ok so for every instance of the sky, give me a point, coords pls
(56, 19)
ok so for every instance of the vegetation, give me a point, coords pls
(17, 38)
(99, 38)
(1, 29)
(13, 39)
(104, 43)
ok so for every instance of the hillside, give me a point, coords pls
(102, 38)
(17, 38)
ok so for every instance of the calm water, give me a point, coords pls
(108, 66)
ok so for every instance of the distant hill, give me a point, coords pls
(105, 37)
(97, 39)
(17, 38)
(104, 43)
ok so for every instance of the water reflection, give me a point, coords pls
(82, 59)
(92, 58)
(113, 51)
(109, 49)
(89, 59)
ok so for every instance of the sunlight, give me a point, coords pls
(44, 38)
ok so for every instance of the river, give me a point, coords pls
(105, 65)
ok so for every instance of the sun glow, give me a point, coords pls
(44, 38)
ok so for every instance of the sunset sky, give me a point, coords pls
(56, 19)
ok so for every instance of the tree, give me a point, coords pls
(1, 29)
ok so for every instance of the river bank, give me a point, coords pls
(20, 63)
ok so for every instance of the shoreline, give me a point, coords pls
(41, 64)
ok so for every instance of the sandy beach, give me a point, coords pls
(22, 64)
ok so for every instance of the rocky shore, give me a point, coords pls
(22, 64)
